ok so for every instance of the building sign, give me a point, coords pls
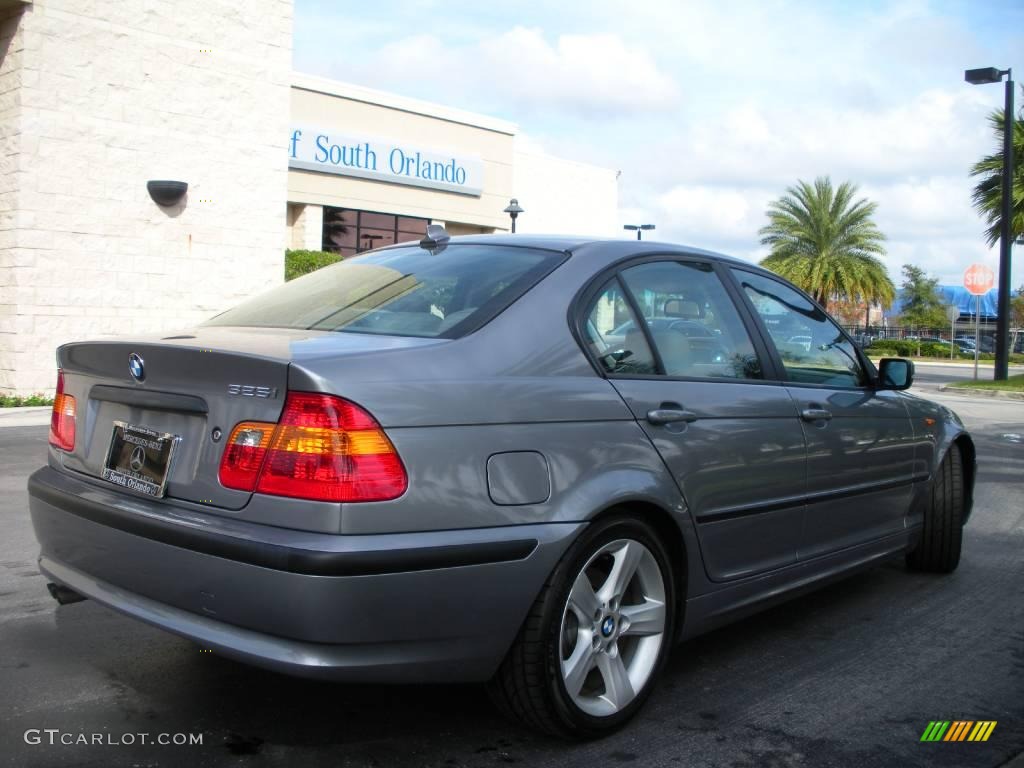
(328, 151)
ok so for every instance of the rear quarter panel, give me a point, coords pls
(591, 465)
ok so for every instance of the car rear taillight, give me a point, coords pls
(322, 448)
(62, 419)
(244, 454)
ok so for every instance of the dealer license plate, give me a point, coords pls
(139, 458)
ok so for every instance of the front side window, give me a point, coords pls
(406, 291)
(613, 335)
(695, 326)
(812, 347)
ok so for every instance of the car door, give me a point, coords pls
(860, 442)
(729, 434)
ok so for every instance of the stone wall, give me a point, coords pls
(110, 95)
(11, 45)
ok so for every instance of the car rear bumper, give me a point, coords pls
(432, 606)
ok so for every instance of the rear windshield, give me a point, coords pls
(401, 291)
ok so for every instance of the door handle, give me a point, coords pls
(670, 415)
(815, 414)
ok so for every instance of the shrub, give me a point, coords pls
(893, 347)
(17, 401)
(907, 348)
(298, 263)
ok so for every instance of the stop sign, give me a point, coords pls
(979, 279)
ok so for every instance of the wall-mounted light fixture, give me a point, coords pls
(167, 193)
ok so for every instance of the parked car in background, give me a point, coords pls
(985, 343)
(491, 459)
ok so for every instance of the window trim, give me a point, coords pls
(633, 309)
(577, 314)
(871, 375)
(638, 318)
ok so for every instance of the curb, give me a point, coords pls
(1000, 394)
(34, 416)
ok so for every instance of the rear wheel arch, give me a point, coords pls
(529, 685)
(671, 536)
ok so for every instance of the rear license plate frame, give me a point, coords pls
(145, 468)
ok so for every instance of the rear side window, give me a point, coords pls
(402, 292)
(696, 328)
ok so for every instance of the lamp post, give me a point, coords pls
(640, 229)
(980, 77)
(513, 209)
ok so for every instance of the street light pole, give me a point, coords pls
(1002, 367)
(640, 228)
(513, 209)
(979, 77)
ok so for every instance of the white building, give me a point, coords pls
(97, 99)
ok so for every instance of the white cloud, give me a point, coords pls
(521, 69)
(911, 159)
(712, 109)
(934, 208)
(937, 132)
(713, 213)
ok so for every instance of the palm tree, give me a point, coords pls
(988, 192)
(827, 243)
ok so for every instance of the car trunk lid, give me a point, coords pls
(197, 386)
(192, 393)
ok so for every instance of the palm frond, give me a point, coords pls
(987, 195)
(825, 241)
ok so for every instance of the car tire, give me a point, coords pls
(938, 550)
(597, 636)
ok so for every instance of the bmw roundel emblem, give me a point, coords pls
(136, 367)
(608, 626)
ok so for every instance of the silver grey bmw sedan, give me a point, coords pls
(534, 461)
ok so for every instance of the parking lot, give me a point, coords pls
(847, 676)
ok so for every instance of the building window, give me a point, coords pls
(349, 232)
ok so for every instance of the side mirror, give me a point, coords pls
(895, 373)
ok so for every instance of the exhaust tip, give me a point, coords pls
(64, 595)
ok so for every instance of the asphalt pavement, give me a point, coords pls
(847, 676)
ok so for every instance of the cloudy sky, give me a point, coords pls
(711, 108)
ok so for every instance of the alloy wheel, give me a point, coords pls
(613, 627)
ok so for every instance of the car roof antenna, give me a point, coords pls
(436, 240)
